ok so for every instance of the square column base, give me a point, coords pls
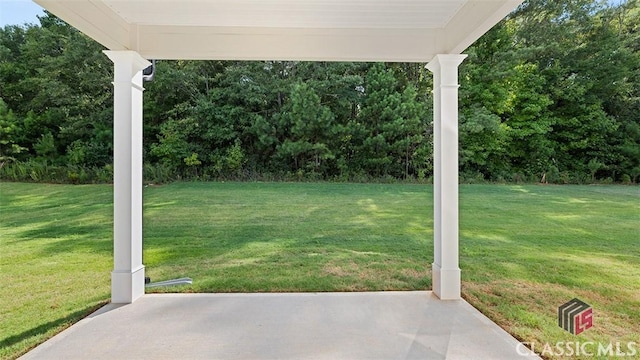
(127, 286)
(446, 283)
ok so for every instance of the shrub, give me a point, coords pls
(553, 175)
(104, 174)
(159, 173)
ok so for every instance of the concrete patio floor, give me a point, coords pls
(372, 325)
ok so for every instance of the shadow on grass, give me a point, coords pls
(58, 325)
(63, 237)
(69, 220)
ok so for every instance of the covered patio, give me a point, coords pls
(373, 325)
(427, 31)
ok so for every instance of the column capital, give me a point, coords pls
(441, 61)
(127, 56)
(445, 70)
(126, 65)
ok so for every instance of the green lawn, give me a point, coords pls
(524, 250)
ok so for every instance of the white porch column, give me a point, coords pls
(127, 278)
(446, 273)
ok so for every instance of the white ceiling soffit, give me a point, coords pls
(318, 30)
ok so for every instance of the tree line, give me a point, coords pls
(550, 94)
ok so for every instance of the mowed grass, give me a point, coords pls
(524, 250)
(284, 237)
(55, 259)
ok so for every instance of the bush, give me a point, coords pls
(44, 172)
(471, 177)
(159, 173)
(104, 174)
(40, 170)
(553, 175)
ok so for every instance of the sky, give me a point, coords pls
(19, 12)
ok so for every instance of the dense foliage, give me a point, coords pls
(550, 94)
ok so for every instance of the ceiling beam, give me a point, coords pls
(242, 43)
